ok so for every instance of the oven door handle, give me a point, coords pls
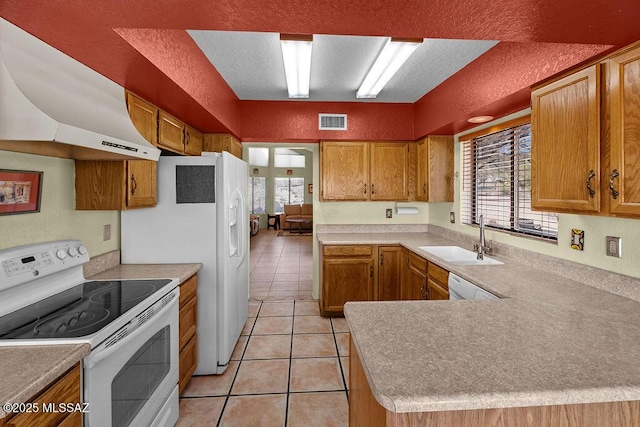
(101, 352)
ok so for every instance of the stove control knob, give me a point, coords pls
(61, 254)
(72, 251)
(82, 249)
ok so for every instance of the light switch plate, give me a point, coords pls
(106, 232)
(389, 213)
(614, 246)
(452, 217)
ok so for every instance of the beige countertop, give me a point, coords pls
(26, 370)
(148, 271)
(549, 341)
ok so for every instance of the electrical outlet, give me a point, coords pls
(614, 246)
(389, 213)
(106, 232)
(452, 217)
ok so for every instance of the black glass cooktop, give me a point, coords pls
(78, 311)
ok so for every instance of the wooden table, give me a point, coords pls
(299, 221)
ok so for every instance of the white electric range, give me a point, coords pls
(130, 376)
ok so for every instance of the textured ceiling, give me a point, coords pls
(251, 63)
(143, 45)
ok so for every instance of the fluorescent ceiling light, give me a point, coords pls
(394, 53)
(296, 53)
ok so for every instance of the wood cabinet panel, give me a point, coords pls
(219, 142)
(144, 117)
(142, 187)
(389, 273)
(565, 148)
(193, 141)
(188, 289)
(436, 292)
(344, 170)
(346, 279)
(364, 409)
(347, 250)
(389, 171)
(438, 274)
(66, 389)
(622, 177)
(170, 133)
(188, 363)
(435, 169)
(188, 321)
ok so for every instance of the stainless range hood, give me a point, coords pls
(52, 104)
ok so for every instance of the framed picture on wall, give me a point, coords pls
(20, 191)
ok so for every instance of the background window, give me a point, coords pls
(497, 184)
(258, 194)
(289, 191)
(286, 158)
(259, 156)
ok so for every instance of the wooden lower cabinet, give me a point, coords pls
(437, 282)
(66, 390)
(347, 275)
(188, 343)
(365, 411)
(414, 283)
(389, 273)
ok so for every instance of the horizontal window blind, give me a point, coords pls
(497, 184)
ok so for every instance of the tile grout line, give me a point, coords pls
(293, 320)
(335, 341)
(226, 400)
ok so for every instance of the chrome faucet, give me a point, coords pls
(482, 247)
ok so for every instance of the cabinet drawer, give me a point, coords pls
(439, 274)
(188, 289)
(188, 363)
(188, 321)
(64, 390)
(417, 262)
(347, 250)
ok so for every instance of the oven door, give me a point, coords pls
(131, 381)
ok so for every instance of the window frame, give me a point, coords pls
(470, 209)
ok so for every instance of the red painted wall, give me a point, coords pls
(298, 121)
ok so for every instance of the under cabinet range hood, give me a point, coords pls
(52, 104)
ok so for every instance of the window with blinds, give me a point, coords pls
(497, 184)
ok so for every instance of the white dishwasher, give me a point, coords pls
(460, 288)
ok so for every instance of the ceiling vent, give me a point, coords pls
(332, 121)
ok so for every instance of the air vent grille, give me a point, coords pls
(332, 121)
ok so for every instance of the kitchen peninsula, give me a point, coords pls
(552, 351)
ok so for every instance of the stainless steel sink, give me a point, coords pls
(459, 256)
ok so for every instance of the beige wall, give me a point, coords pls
(57, 218)
(596, 229)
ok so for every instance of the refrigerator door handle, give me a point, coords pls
(237, 224)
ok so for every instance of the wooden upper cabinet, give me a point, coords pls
(565, 148)
(621, 177)
(170, 133)
(104, 185)
(344, 170)
(141, 188)
(193, 141)
(144, 117)
(389, 171)
(435, 169)
(219, 142)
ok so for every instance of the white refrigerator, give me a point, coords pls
(201, 217)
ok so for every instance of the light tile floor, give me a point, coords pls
(290, 366)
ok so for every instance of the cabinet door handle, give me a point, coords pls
(381, 258)
(134, 184)
(612, 190)
(187, 137)
(373, 189)
(424, 290)
(365, 188)
(371, 271)
(592, 175)
(424, 188)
